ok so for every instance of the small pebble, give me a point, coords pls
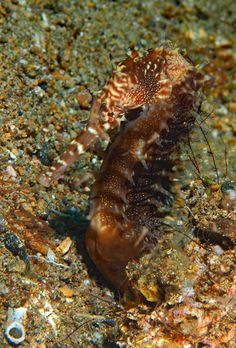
(11, 171)
(215, 187)
(218, 250)
(64, 246)
(4, 290)
(16, 266)
(84, 98)
(67, 292)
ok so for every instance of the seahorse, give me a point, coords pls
(134, 179)
(161, 89)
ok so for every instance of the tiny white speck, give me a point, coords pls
(106, 126)
(45, 20)
(80, 148)
(62, 162)
(92, 130)
(87, 282)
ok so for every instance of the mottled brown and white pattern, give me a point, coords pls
(138, 81)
